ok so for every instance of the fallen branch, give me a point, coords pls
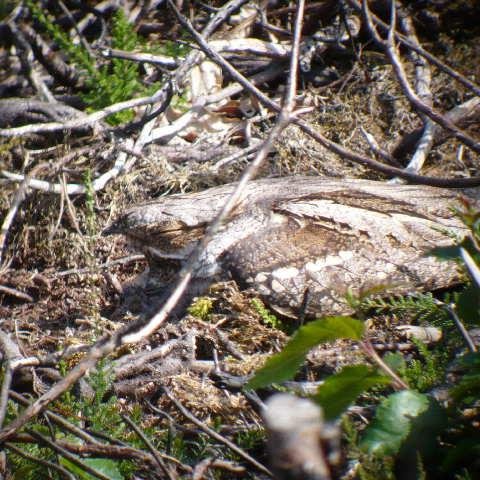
(463, 115)
(84, 121)
(16, 293)
(422, 86)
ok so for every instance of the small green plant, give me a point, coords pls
(26, 469)
(428, 369)
(250, 439)
(120, 80)
(98, 412)
(268, 318)
(201, 308)
(421, 307)
(174, 49)
(110, 83)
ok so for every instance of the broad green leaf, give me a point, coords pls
(106, 466)
(284, 365)
(342, 389)
(393, 422)
(422, 441)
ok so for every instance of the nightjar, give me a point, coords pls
(303, 243)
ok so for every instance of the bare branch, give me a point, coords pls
(81, 123)
(464, 114)
(370, 351)
(63, 471)
(58, 420)
(72, 458)
(422, 85)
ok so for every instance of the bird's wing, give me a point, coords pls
(318, 248)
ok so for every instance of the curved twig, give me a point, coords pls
(390, 50)
(424, 53)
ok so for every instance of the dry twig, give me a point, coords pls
(357, 5)
(153, 450)
(422, 85)
(391, 51)
(212, 433)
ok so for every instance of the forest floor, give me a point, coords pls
(62, 283)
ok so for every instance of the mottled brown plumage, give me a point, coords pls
(295, 235)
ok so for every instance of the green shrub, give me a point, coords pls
(111, 82)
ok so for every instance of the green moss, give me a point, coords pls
(201, 308)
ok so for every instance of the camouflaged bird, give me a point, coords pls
(290, 236)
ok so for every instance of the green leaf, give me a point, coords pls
(393, 422)
(103, 465)
(284, 365)
(422, 441)
(342, 389)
